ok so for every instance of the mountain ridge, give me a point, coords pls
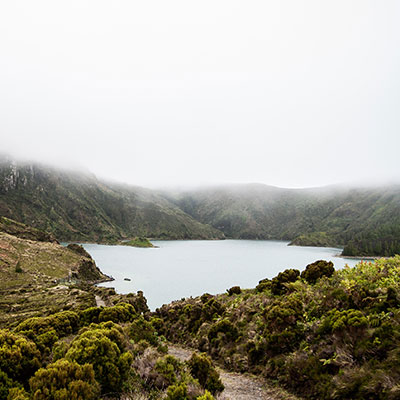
(77, 206)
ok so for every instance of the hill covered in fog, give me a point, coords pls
(78, 206)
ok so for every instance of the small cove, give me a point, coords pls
(179, 268)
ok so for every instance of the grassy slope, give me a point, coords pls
(30, 272)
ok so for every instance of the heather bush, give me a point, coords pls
(202, 369)
(65, 380)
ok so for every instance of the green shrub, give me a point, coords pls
(103, 348)
(202, 369)
(234, 290)
(17, 394)
(19, 357)
(123, 312)
(45, 331)
(339, 321)
(90, 315)
(316, 270)
(140, 329)
(279, 283)
(177, 392)
(225, 327)
(64, 380)
(206, 396)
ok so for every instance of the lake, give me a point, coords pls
(180, 268)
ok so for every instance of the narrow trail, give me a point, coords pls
(99, 301)
(237, 386)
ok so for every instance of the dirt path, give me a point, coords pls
(99, 301)
(237, 386)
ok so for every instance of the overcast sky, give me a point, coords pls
(289, 93)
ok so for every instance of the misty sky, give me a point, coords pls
(289, 93)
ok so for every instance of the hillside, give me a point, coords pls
(75, 206)
(321, 334)
(39, 276)
(366, 221)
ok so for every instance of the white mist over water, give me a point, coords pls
(180, 269)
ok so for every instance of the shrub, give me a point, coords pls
(64, 380)
(90, 315)
(177, 392)
(225, 327)
(206, 396)
(19, 357)
(103, 348)
(140, 329)
(316, 270)
(45, 331)
(123, 312)
(17, 394)
(202, 369)
(339, 321)
(278, 284)
(234, 290)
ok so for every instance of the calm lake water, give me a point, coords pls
(182, 268)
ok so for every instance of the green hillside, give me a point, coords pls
(77, 207)
(366, 221)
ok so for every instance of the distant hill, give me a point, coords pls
(75, 206)
(366, 221)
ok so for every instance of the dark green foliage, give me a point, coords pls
(19, 357)
(103, 347)
(316, 270)
(65, 380)
(140, 329)
(18, 268)
(202, 369)
(45, 331)
(123, 312)
(90, 315)
(77, 207)
(264, 284)
(340, 321)
(212, 308)
(177, 392)
(234, 290)
(5, 385)
(278, 284)
(223, 328)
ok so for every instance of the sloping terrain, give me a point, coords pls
(366, 221)
(77, 207)
(38, 277)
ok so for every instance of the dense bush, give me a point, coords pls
(316, 270)
(202, 369)
(45, 331)
(234, 290)
(122, 312)
(279, 283)
(19, 357)
(140, 329)
(65, 380)
(103, 347)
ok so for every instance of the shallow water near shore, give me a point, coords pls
(180, 268)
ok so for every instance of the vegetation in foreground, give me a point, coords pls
(97, 353)
(56, 344)
(322, 334)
